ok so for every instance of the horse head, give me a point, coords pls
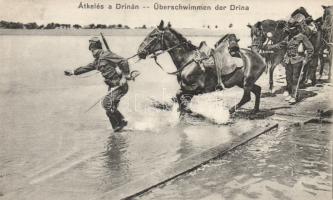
(328, 10)
(162, 38)
(258, 36)
(266, 30)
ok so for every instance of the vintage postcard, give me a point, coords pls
(159, 99)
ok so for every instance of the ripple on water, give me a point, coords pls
(292, 163)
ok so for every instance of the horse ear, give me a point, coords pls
(161, 26)
(324, 7)
(169, 25)
(259, 26)
(237, 40)
(249, 25)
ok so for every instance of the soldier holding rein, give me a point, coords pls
(299, 52)
(115, 71)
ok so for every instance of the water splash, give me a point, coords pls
(212, 107)
(155, 120)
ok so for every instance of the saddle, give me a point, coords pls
(207, 57)
(210, 59)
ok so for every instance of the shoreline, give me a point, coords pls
(107, 32)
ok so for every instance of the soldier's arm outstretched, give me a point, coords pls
(84, 69)
(278, 45)
(81, 70)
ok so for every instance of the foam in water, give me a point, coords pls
(210, 106)
(155, 119)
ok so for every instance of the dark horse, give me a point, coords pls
(193, 78)
(278, 31)
(269, 31)
(327, 29)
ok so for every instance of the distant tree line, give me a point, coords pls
(34, 25)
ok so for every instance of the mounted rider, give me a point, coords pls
(299, 52)
(115, 70)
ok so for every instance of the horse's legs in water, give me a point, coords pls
(245, 98)
(256, 89)
(276, 60)
(183, 99)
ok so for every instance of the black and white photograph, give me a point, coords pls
(166, 100)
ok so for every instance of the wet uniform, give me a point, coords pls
(107, 62)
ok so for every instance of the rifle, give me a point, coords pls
(299, 79)
(105, 42)
(132, 77)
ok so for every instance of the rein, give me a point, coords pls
(156, 54)
(162, 52)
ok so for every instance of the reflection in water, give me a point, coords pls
(53, 124)
(292, 163)
(116, 163)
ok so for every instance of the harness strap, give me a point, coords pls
(220, 85)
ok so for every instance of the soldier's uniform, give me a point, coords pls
(299, 50)
(114, 69)
(309, 29)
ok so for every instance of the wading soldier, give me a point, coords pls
(299, 52)
(115, 71)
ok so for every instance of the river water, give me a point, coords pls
(292, 163)
(51, 148)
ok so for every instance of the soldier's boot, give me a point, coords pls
(113, 120)
(121, 121)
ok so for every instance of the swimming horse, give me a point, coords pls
(196, 76)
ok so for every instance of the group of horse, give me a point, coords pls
(321, 40)
(196, 77)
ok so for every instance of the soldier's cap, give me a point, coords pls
(94, 39)
(293, 23)
(95, 43)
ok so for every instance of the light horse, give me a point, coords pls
(192, 78)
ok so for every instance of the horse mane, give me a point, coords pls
(221, 40)
(181, 38)
(272, 24)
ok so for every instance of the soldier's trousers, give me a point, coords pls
(110, 104)
(293, 72)
(310, 69)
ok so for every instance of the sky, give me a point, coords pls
(67, 11)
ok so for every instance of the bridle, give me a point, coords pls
(262, 40)
(160, 38)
